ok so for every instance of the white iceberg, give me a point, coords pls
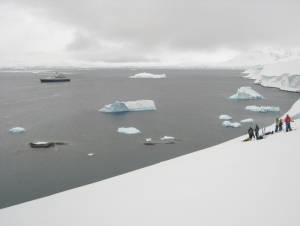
(128, 130)
(262, 109)
(17, 130)
(148, 75)
(225, 117)
(167, 138)
(231, 124)
(247, 120)
(125, 106)
(148, 139)
(246, 93)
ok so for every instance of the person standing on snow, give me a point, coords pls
(250, 133)
(280, 125)
(277, 125)
(288, 121)
(256, 131)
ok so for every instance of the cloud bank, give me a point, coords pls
(143, 31)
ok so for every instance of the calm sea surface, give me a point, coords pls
(188, 105)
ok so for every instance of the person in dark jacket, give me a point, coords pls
(277, 125)
(256, 131)
(288, 121)
(250, 133)
(280, 125)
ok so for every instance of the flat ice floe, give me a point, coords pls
(128, 130)
(247, 120)
(231, 124)
(225, 117)
(167, 138)
(126, 106)
(16, 130)
(148, 75)
(246, 93)
(262, 109)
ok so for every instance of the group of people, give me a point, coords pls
(254, 133)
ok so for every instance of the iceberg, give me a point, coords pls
(231, 124)
(262, 109)
(128, 130)
(246, 93)
(16, 130)
(247, 120)
(148, 75)
(126, 106)
(225, 117)
(167, 138)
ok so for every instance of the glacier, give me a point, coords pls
(126, 106)
(263, 109)
(128, 130)
(16, 130)
(231, 124)
(225, 117)
(148, 75)
(284, 75)
(246, 93)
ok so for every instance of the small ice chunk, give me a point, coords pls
(231, 124)
(247, 120)
(167, 138)
(225, 117)
(17, 130)
(246, 93)
(125, 106)
(148, 139)
(128, 130)
(91, 154)
(148, 75)
(263, 109)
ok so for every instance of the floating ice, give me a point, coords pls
(246, 93)
(262, 109)
(17, 130)
(167, 138)
(91, 154)
(225, 117)
(231, 124)
(117, 106)
(148, 75)
(247, 120)
(125, 106)
(128, 130)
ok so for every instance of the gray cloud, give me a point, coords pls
(144, 27)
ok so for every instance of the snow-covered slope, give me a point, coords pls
(234, 183)
(284, 75)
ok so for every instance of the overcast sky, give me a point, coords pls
(154, 32)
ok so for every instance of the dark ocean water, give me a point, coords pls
(188, 105)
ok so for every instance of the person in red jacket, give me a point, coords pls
(288, 121)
